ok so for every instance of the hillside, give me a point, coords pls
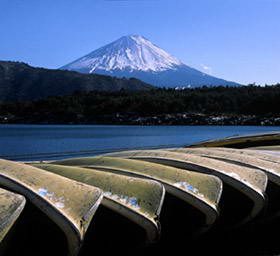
(19, 82)
(247, 105)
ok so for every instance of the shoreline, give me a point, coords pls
(176, 119)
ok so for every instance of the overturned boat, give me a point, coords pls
(244, 185)
(244, 141)
(130, 198)
(59, 205)
(192, 198)
(11, 206)
(272, 170)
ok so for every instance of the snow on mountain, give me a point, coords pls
(135, 56)
(131, 52)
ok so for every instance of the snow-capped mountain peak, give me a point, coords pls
(135, 56)
(132, 53)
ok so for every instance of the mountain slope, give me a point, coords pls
(129, 52)
(19, 81)
(135, 56)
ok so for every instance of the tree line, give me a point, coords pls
(87, 107)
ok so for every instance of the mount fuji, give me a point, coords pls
(136, 56)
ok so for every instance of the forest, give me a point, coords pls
(245, 105)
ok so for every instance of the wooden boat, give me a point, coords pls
(11, 206)
(69, 205)
(139, 200)
(243, 141)
(264, 155)
(272, 150)
(192, 198)
(245, 185)
(270, 168)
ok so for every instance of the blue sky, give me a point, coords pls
(236, 40)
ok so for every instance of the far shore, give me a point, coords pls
(162, 119)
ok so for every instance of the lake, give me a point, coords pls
(38, 142)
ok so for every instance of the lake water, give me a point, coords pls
(30, 142)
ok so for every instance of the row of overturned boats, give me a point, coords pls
(143, 201)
